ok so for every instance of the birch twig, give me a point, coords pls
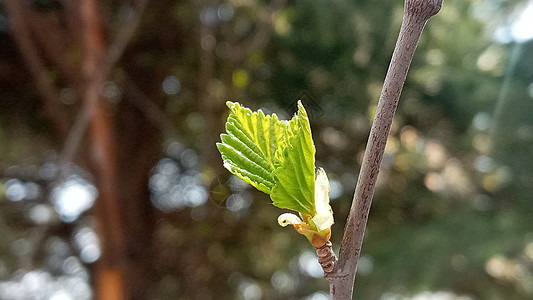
(416, 14)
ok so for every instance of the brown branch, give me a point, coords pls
(153, 113)
(18, 12)
(50, 36)
(416, 14)
(113, 54)
(123, 37)
(110, 269)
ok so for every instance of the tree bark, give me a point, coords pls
(110, 268)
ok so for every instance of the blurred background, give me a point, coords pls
(111, 186)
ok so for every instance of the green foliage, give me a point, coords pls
(276, 157)
(250, 144)
(295, 176)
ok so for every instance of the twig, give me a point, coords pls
(21, 33)
(416, 14)
(123, 37)
(153, 113)
(53, 41)
(114, 52)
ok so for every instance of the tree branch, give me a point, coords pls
(110, 269)
(54, 43)
(18, 16)
(416, 14)
(113, 54)
(123, 37)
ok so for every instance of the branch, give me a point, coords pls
(111, 58)
(124, 36)
(54, 42)
(153, 113)
(416, 14)
(18, 16)
(110, 269)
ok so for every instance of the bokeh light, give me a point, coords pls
(88, 244)
(39, 284)
(175, 184)
(15, 190)
(318, 296)
(73, 197)
(284, 282)
(171, 85)
(522, 28)
(309, 266)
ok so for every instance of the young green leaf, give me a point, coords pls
(249, 145)
(278, 158)
(295, 175)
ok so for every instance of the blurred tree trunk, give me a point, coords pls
(123, 144)
(124, 138)
(111, 267)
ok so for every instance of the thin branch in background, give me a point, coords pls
(51, 36)
(114, 52)
(502, 100)
(18, 12)
(151, 111)
(416, 14)
(73, 142)
(123, 37)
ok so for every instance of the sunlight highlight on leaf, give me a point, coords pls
(249, 145)
(278, 158)
(274, 156)
(295, 176)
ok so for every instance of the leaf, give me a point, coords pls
(323, 218)
(295, 175)
(249, 146)
(274, 156)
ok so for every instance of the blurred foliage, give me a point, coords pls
(453, 209)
